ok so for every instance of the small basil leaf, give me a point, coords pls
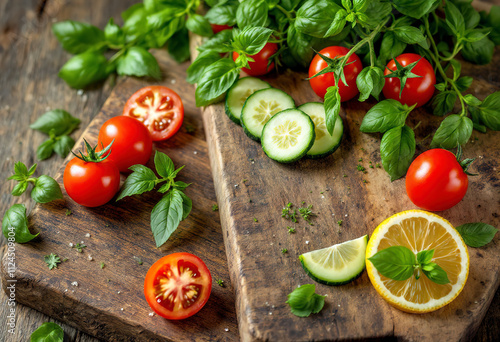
(20, 188)
(375, 12)
(165, 187)
(425, 257)
(390, 47)
(76, 37)
(476, 35)
(314, 17)
(178, 46)
(395, 262)
(440, 86)
(218, 43)
(299, 46)
(141, 180)
(337, 24)
(480, 52)
(223, 14)
(471, 16)
(15, 224)
(370, 81)
(46, 189)
(166, 216)
(84, 69)
(187, 204)
(471, 100)
(409, 34)
(199, 25)
(197, 68)
(163, 164)
(463, 83)
(64, 145)
(252, 13)
(454, 130)
(21, 169)
(161, 18)
(58, 120)
(252, 39)
(134, 20)
(383, 116)
(48, 332)
(216, 80)
(489, 111)
(477, 234)
(454, 19)
(332, 108)
(45, 150)
(114, 34)
(437, 275)
(181, 185)
(443, 103)
(414, 8)
(303, 301)
(396, 150)
(32, 169)
(137, 61)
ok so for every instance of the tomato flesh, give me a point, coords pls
(159, 108)
(178, 285)
(261, 65)
(435, 180)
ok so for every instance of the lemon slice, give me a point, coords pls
(338, 264)
(419, 230)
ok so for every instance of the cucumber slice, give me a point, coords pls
(239, 92)
(260, 107)
(288, 135)
(338, 264)
(325, 144)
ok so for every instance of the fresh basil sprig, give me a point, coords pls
(15, 224)
(174, 207)
(477, 234)
(48, 331)
(45, 189)
(303, 301)
(399, 263)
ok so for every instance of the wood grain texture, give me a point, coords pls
(263, 276)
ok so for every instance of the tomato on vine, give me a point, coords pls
(261, 64)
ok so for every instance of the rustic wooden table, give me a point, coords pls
(30, 58)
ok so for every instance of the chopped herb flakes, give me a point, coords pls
(345, 175)
(220, 282)
(361, 168)
(79, 247)
(52, 260)
(68, 212)
(102, 265)
(306, 213)
(339, 222)
(291, 230)
(284, 251)
(138, 260)
(215, 207)
(255, 219)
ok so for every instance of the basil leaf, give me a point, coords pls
(443, 103)
(437, 275)
(20, 188)
(252, 13)
(493, 20)
(197, 68)
(137, 61)
(489, 111)
(134, 19)
(370, 81)
(299, 46)
(395, 262)
(396, 150)
(178, 46)
(476, 35)
(454, 130)
(332, 108)
(314, 17)
(76, 37)
(303, 301)
(45, 150)
(141, 180)
(15, 224)
(84, 69)
(64, 145)
(199, 25)
(251, 39)
(218, 43)
(216, 80)
(454, 19)
(187, 204)
(58, 120)
(463, 83)
(21, 169)
(471, 16)
(223, 14)
(114, 34)
(163, 164)
(477, 234)
(425, 257)
(337, 24)
(383, 116)
(46, 189)
(161, 18)
(289, 4)
(480, 52)
(179, 185)
(166, 216)
(376, 12)
(391, 47)
(409, 34)
(48, 332)
(414, 8)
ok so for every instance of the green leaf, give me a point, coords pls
(216, 80)
(454, 19)
(490, 111)
(303, 301)
(463, 83)
(480, 52)
(20, 169)
(58, 120)
(163, 164)
(383, 116)
(48, 332)
(161, 19)
(218, 43)
(414, 8)
(252, 13)
(178, 46)
(76, 37)
(52, 260)
(332, 108)
(137, 61)
(15, 224)
(476, 35)
(166, 216)
(437, 275)
(409, 34)
(20, 188)
(187, 204)
(45, 150)
(376, 11)
(32, 170)
(337, 24)
(165, 187)
(471, 16)
(134, 22)
(64, 145)
(396, 150)
(197, 68)
(251, 40)
(299, 46)
(457, 68)
(114, 34)
(314, 17)
(141, 180)
(425, 257)
(84, 69)
(46, 189)
(395, 262)
(162, 35)
(390, 47)
(454, 130)
(443, 103)
(199, 25)
(440, 86)
(179, 185)
(477, 234)
(223, 14)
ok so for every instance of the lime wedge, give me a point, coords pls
(338, 264)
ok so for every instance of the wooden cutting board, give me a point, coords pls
(252, 189)
(109, 303)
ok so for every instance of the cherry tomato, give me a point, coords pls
(418, 90)
(178, 285)
(217, 28)
(132, 141)
(91, 184)
(436, 181)
(159, 108)
(260, 65)
(321, 83)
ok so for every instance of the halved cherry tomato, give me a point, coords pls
(159, 108)
(178, 285)
(217, 28)
(132, 143)
(261, 60)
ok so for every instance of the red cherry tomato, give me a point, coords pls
(260, 66)
(132, 143)
(217, 28)
(91, 184)
(177, 286)
(321, 83)
(418, 90)
(159, 108)
(435, 180)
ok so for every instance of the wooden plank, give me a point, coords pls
(109, 303)
(263, 276)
